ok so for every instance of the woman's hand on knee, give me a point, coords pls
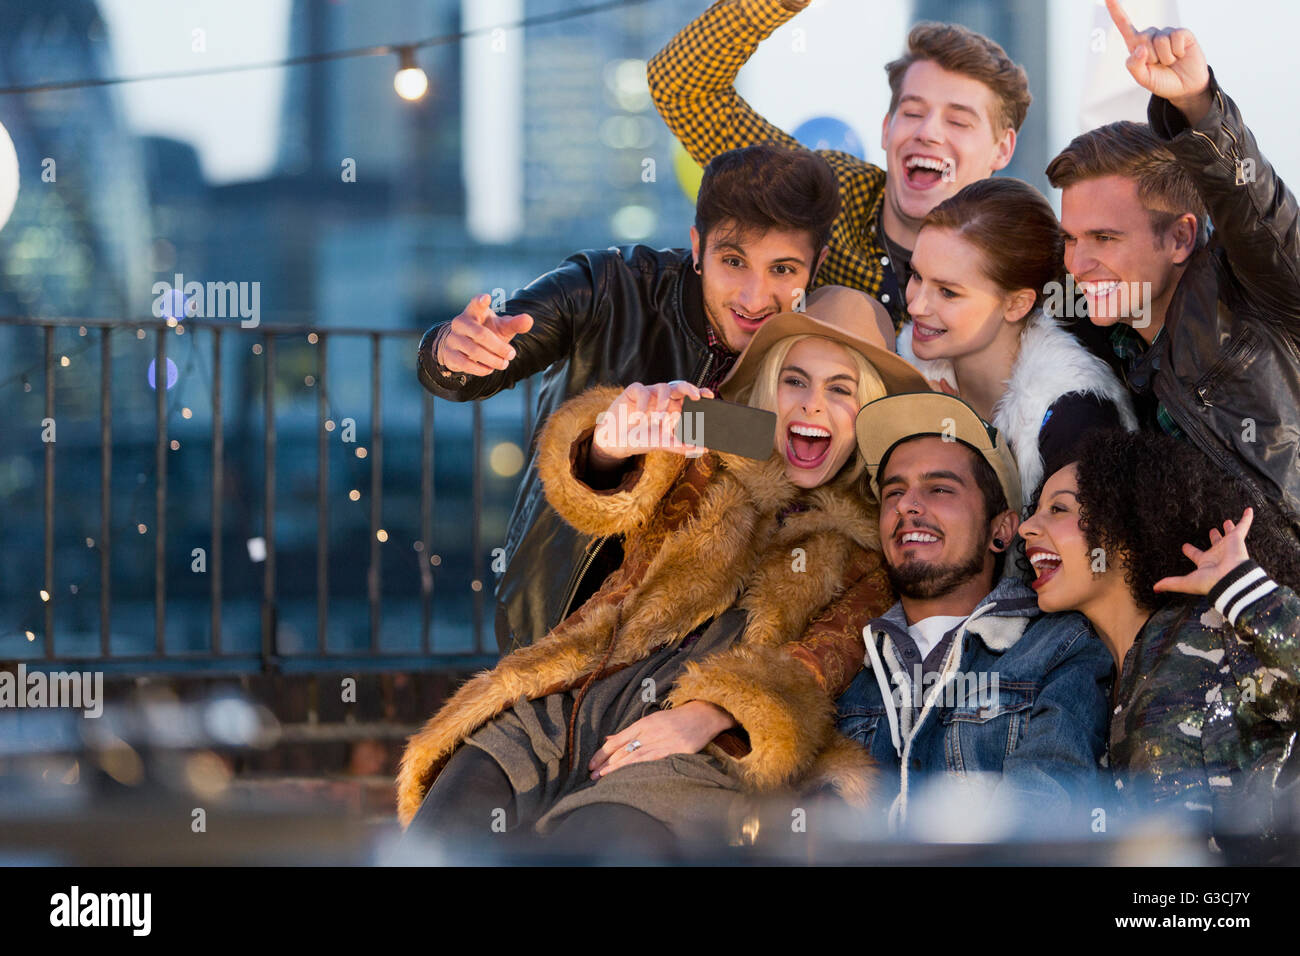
(682, 730)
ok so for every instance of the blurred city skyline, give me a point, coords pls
(240, 178)
(854, 40)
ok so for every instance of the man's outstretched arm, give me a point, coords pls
(479, 353)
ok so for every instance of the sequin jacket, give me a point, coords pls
(1207, 705)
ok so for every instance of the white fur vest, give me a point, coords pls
(1052, 363)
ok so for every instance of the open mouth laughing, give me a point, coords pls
(1046, 564)
(1099, 289)
(806, 446)
(924, 172)
(916, 537)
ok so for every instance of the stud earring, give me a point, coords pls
(999, 543)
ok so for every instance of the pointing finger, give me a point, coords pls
(1122, 23)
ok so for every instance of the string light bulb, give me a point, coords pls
(411, 83)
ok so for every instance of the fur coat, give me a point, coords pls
(700, 535)
(1052, 363)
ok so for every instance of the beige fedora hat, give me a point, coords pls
(841, 314)
(884, 423)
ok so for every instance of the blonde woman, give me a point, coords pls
(701, 669)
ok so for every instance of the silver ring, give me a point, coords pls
(632, 746)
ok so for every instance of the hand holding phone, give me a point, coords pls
(728, 427)
(644, 418)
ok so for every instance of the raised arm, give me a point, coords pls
(693, 78)
(1267, 615)
(1263, 612)
(604, 470)
(1254, 214)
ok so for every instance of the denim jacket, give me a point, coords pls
(1020, 704)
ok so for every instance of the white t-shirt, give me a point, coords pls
(929, 632)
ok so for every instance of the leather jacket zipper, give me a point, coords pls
(594, 547)
(1234, 161)
(592, 550)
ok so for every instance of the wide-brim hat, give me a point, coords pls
(841, 314)
(884, 423)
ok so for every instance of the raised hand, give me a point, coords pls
(1226, 551)
(1168, 62)
(644, 417)
(479, 340)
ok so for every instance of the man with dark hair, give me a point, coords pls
(1207, 335)
(957, 102)
(966, 684)
(632, 314)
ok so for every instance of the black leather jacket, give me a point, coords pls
(1227, 367)
(604, 317)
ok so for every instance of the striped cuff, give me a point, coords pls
(1239, 588)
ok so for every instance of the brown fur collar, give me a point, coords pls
(700, 535)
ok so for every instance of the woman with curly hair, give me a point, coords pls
(1208, 659)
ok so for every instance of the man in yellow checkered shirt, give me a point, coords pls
(957, 103)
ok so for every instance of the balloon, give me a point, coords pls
(826, 132)
(688, 171)
(8, 176)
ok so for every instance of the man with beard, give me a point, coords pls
(966, 684)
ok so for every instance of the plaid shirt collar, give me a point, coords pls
(1127, 344)
(723, 360)
(1130, 348)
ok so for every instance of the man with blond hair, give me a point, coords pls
(1205, 328)
(957, 102)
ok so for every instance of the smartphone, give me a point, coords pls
(728, 427)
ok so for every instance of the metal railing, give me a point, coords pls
(269, 658)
